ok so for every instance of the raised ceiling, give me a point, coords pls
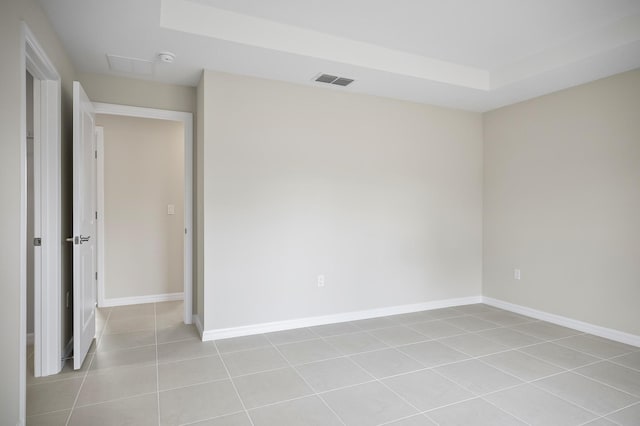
(469, 54)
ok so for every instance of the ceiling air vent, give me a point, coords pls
(332, 79)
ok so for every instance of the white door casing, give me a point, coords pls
(84, 224)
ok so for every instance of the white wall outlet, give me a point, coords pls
(171, 209)
(320, 280)
(516, 274)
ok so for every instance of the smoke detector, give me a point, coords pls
(166, 57)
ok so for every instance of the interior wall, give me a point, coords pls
(30, 206)
(198, 192)
(12, 171)
(143, 175)
(562, 202)
(382, 197)
(148, 94)
(133, 92)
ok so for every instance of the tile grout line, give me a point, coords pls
(86, 373)
(244, 407)
(305, 380)
(376, 379)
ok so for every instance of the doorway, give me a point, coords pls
(40, 212)
(144, 206)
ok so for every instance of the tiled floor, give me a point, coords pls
(469, 365)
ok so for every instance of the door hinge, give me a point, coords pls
(95, 154)
(96, 275)
(96, 215)
(37, 241)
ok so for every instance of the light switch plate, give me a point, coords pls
(171, 209)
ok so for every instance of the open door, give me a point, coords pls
(84, 224)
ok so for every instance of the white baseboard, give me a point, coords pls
(608, 333)
(198, 323)
(268, 327)
(137, 300)
(30, 338)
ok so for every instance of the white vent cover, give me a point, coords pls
(332, 79)
(130, 65)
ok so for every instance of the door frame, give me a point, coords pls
(186, 118)
(48, 286)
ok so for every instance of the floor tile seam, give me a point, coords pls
(188, 359)
(613, 361)
(289, 343)
(617, 411)
(553, 363)
(47, 381)
(373, 336)
(495, 340)
(125, 349)
(205, 382)
(599, 418)
(48, 413)
(559, 343)
(547, 338)
(430, 321)
(105, 370)
(546, 376)
(84, 377)
(307, 382)
(110, 400)
(269, 370)
(428, 339)
(215, 417)
(575, 404)
(475, 356)
(605, 383)
(155, 330)
(235, 388)
(506, 412)
(107, 333)
(309, 329)
(378, 380)
(479, 394)
(497, 326)
(195, 339)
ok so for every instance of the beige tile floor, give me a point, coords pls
(468, 365)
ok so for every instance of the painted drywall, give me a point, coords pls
(382, 197)
(562, 202)
(140, 93)
(143, 175)
(147, 94)
(198, 186)
(12, 12)
(30, 207)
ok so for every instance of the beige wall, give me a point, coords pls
(383, 197)
(141, 93)
(11, 75)
(198, 186)
(562, 203)
(143, 174)
(148, 94)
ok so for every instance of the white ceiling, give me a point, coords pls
(468, 54)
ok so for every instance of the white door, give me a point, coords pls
(84, 224)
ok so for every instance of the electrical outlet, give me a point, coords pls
(516, 274)
(320, 280)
